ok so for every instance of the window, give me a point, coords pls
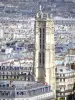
(43, 30)
(3, 85)
(39, 58)
(29, 75)
(60, 80)
(64, 88)
(14, 77)
(40, 30)
(25, 76)
(0, 67)
(40, 41)
(43, 41)
(43, 57)
(63, 75)
(17, 77)
(7, 76)
(7, 85)
(42, 38)
(22, 93)
(60, 93)
(61, 70)
(3, 76)
(30, 68)
(17, 93)
(2, 94)
(64, 79)
(60, 75)
(6, 93)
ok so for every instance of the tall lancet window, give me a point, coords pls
(42, 47)
(43, 38)
(40, 37)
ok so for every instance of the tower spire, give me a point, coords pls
(40, 8)
(40, 13)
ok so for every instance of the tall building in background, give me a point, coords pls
(44, 66)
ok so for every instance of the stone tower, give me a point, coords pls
(44, 66)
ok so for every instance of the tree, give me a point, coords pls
(74, 88)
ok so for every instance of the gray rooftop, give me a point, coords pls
(64, 70)
(22, 89)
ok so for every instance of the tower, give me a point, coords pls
(44, 66)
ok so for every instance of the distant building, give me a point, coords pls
(64, 21)
(69, 0)
(70, 58)
(16, 73)
(71, 51)
(16, 69)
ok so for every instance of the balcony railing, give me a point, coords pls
(64, 91)
(65, 77)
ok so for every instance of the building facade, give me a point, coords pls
(25, 91)
(16, 69)
(44, 66)
(16, 73)
(65, 78)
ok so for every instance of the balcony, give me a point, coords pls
(64, 77)
(64, 91)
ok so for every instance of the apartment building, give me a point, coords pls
(21, 90)
(65, 78)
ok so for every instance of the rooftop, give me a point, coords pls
(26, 90)
(64, 70)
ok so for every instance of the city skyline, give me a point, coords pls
(37, 50)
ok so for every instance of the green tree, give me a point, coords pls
(73, 96)
(74, 88)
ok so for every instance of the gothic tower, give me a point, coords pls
(44, 66)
